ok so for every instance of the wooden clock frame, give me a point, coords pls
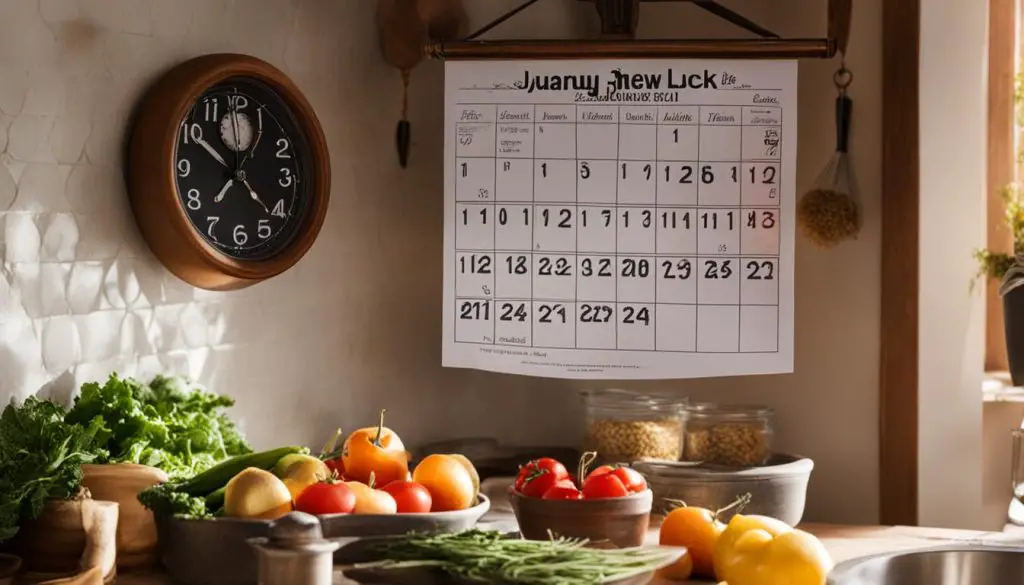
(151, 174)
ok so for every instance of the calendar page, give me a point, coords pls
(618, 219)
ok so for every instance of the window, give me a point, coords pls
(1003, 163)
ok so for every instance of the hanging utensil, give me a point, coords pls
(405, 27)
(829, 212)
(402, 37)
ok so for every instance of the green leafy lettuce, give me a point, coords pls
(166, 424)
(41, 456)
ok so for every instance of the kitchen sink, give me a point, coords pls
(952, 565)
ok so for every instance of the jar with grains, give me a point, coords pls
(624, 426)
(730, 435)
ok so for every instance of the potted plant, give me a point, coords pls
(1009, 268)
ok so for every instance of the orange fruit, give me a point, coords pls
(449, 483)
(697, 530)
(376, 450)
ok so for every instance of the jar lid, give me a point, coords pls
(631, 400)
(728, 411)
(295, 528)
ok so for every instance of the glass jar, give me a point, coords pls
(730, 435)
(624, 426)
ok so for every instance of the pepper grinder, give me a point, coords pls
(295, 552)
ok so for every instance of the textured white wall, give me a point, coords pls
(356, 325)
(953, 121)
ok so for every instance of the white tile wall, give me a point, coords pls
(354, 327)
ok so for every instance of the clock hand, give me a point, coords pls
(255, 197)
(216, 155)
(223, 191)
(234, 122)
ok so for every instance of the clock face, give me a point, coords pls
(240, 168)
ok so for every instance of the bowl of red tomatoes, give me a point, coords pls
(609, 506)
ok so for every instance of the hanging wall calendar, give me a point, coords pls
(616, 219)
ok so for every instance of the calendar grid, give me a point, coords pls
(637, 248)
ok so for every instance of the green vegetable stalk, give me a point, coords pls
(490, 557)
(202, 495)
(41, 457)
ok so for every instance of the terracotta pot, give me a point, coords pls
(136, 528)
(69, 537)
(606, 523)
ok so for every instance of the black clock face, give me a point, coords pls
(241, 169)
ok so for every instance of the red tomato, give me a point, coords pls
(536, 467)
(326, 497)
(563, 490)
(411, 497)
(604, 486)
(337, 466)
(540, 482)
(601, 470)
(629, 477)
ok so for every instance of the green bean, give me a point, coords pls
(492, 557)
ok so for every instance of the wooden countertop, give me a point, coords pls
(843, 542)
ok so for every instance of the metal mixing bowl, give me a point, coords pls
(951, 565)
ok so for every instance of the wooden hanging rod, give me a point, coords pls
(636, 49)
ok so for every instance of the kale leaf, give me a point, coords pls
(163, 500)
(41, 456)
(166, 424)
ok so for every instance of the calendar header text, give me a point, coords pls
(620, 80)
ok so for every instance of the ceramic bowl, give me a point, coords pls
(340, 525)
(195, 552)
(618, 522)
(778, 489)
(214, 551)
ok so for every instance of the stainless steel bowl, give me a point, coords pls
(953, 565)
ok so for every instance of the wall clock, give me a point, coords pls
(228, 171)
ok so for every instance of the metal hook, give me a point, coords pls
(843, 77)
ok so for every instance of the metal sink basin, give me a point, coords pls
(959, 565)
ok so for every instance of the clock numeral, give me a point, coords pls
(282, 148)
(239, 235)
(212, 221)
(193, 131)
(238, 102)
(193, 200)
(184, 167)
(286, 180)
(263, 230)
(211, 109)
(279, 209)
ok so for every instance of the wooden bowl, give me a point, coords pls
(67, 538)
(136, 528)
(614, 522)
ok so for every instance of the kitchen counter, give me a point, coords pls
(843, 542)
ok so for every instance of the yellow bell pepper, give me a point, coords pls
(758, 550)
